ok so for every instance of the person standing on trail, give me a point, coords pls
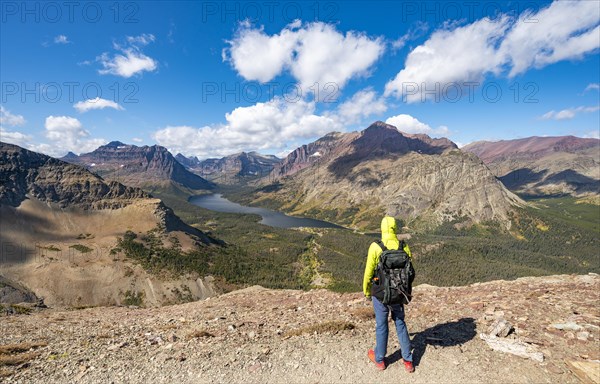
(395, 304)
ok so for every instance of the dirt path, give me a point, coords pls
(265, 336)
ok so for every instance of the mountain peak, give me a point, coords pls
(114, 144)
(381, 125)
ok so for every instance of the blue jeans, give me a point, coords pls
(381, 330)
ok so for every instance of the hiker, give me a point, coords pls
(389, 241)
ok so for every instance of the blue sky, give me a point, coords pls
(214, 78)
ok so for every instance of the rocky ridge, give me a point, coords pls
(147, 166)
(29, 174)
(258, 335)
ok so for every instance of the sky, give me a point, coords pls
(213, 78)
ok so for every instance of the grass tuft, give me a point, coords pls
(21, 347)
(364, 313)
(327, 327)
(199, 334)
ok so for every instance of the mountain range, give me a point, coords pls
(147, 167)
(59, 230)
(354, 178)
(539, 166)
(231, 169)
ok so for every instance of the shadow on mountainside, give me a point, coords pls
(382, 141)
(442, 335)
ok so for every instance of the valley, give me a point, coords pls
(455, 214)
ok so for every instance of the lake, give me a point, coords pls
(217, 202)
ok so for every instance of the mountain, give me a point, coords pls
(188, 162)
(146, 167)
(355, 178)
(540, 166)
(258, 335)
(60, 226)
(228, 169)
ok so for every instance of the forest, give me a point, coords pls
(552, 236)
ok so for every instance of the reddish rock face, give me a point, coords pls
(379, 139)
(532, 147)
(138, 166)
(540, 166)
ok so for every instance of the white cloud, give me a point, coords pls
(17, 138)
(66, 134)
(565, 30)
(7, 118)
(361, 105)
(143, 39)
(137, 140)
(409, 124)
(61, 39)
(313, 53)
(593, 134)
(567, 114)
(592, 86)
(96, 103)
(269, 125)
(257, 56)
(464, 54)
(131, 60)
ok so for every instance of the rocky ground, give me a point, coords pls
(258, 335)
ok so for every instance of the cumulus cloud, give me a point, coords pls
(567, 114)
(314, 53)
(67, 134)
(462, 55)
(7, 118)
(131, 60)
(455, 56)
(14, 137)
(409, 124)
(96, 103)
(137, 140)
(563, 30)
(269, 125)
(361, 105)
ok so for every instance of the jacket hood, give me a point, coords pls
(388, 229)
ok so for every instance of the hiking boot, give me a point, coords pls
(408, 366)
(380, 366)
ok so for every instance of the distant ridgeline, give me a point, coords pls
(542, 166)
(147, 167)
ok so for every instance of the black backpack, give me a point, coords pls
(392, 282)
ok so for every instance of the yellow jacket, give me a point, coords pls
(390, 240)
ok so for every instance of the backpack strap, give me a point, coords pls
(381, 245)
